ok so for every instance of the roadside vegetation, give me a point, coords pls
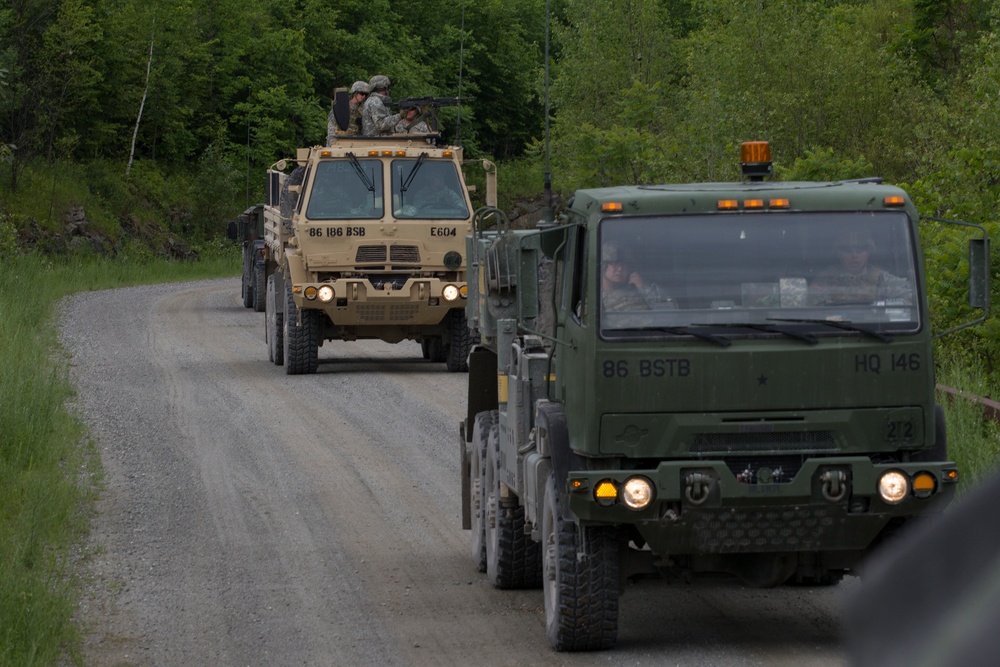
(130, 132)
(49, 470)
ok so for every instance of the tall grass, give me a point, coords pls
(49, 472)
(973, 442)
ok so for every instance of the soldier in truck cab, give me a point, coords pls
(359, 93)
(854, 279)
(375, 116)
(625, 289)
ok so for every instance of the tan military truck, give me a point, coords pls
(365, 239)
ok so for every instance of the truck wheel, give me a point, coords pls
(485, 421)
(273, 325)
(435, 349)
(301, 339)
(259, 289)
(458, 349)
(580, 580)
(246, 288)
(513, 559)
(425, 348)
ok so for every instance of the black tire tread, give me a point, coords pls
(458, 348)
(585, 617)
(301, 342)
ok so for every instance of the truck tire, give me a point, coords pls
(246, 286)
(580, 580)
(513, 559)
(485, 421)
(425, 348)
(259, 289)
(458, 348)
(435, 349)
(301, 338)
(273, 325)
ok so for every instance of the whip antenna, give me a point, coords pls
(461, 60)
(548, 174)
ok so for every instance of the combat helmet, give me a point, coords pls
(359, 87)
(378, 82)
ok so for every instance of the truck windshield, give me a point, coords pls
(767, 274)
(424, 189)
(342, 190)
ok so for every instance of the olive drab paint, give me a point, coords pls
(757, 420)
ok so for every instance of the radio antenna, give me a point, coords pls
(461, 64)
(549, 215)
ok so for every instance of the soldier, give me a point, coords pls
(625, 289)
(375, 116)
(359, 92)
(409, 121)
(855, 280)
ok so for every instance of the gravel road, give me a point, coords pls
(253, 518)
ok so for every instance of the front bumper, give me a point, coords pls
(357, 301)
(723, 515)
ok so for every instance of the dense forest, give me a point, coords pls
(153, 121)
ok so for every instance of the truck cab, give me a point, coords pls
(698, 379)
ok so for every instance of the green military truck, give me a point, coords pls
(695, 379)
(365, 239)
(248, 229)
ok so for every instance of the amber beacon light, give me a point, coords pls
(755, 159)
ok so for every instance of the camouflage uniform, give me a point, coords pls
(630, 297)
(375, 116)
(354, 124)
(418, 126)
(870, 286)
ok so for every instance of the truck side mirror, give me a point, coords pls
(979, 273)
(231, 230)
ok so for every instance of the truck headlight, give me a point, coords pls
(326, 294)
(893, 486)
(450, 292)
(637, 493)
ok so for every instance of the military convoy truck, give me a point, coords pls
(248, 229)
(365, 239)
(684, 380)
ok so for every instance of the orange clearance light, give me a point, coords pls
(400, 153)
(576, 483)
(924, 485)
(325, 153)
(753, 203)
(606, 493)
(728, 205)
(448, 153)
(894, 200)
(612, 207)
(372, 153)
(755, 151)
(778, 203)
(387, 153)
(951, 475)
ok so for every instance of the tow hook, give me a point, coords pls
(834, 485)
(696, 487)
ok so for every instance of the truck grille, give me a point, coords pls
(371, 253)
(396, 313)
(736, 531)
(409, 254)
(751, 443)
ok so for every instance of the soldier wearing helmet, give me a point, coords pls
(358, 94)
(854, 279)
(375, 116)
(625, 289)
(410, 120)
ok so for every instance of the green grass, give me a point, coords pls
(973, 442)
(49, 471)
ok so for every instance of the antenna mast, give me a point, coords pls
(548, 174)
(461, 59)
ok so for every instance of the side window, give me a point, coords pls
(576, 272)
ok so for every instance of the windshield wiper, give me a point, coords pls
(846, 325)
(361, 173)
(688, 331)
(413, 172)
(805, 337)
